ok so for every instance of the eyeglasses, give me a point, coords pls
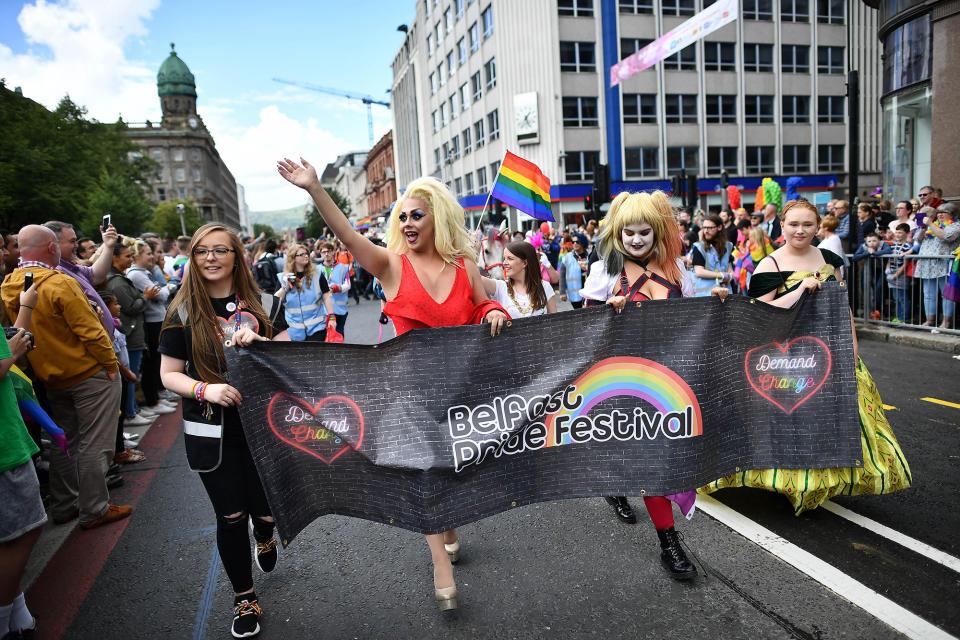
(218, 253)
(924, 195)
(302, 255)
(416, 215)
(706, 228)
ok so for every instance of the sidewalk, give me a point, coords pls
(922, 339)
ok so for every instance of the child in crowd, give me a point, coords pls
(871, 282)
(896, 270)
(123, 454)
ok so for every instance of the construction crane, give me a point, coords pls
(367, 100)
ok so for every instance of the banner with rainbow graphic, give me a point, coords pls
(661, 399)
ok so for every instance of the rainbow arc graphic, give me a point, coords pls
(629, 376)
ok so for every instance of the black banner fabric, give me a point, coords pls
(442, 427)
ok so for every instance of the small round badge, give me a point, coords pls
(231, 307)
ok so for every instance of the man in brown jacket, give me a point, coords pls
(74, 359)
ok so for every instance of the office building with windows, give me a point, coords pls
(764, 96)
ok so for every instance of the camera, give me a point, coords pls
(12, 331)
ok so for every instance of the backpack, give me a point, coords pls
(265, 274)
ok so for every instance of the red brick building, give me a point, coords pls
(381, 180)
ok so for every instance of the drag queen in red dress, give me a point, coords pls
(429, 275)
(640, 246)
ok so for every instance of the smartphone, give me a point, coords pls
(106, 222)
(27, 280)
(300, 235)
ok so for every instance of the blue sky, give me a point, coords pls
(105, 55)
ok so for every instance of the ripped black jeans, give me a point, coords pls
(234, 488)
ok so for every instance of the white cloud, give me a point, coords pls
(76, 48)
(252, 153)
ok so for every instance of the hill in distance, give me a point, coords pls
(281, 218)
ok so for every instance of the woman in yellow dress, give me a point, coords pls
(780, 279)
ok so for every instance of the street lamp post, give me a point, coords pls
(183, 225)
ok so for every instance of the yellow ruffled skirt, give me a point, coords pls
(884, 470)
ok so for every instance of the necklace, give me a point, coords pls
(525, 310)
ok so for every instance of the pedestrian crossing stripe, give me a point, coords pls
(943, 402)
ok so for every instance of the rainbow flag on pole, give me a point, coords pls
(521, 184)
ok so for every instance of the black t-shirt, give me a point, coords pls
(174, 343)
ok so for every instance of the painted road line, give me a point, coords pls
(889, 407)
(884, 609)
(903, 539)
(206, 600)
(943, 402)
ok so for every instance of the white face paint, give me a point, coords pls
(638, 239)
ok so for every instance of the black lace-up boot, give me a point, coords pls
(672, 557)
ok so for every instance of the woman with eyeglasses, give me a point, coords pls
(306, 297)
(219, 304)
(429, 276)
(939, 235)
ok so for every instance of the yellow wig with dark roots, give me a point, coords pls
(450, 234)
(636, 208)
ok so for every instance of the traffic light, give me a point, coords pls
(677, 190)
(496, 215)
(724, 180)
(588, 201)
(693, 195)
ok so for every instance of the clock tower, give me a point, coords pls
(178, 94)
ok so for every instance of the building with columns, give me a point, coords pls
(190, 168)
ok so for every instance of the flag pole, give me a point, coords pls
(490, 195)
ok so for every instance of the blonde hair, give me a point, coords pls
(800, 203)
(450, 236)
(636, 208)
(290, 264)
(136, 245)
(758, 237)
(830, 222)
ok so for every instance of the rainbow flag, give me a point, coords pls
(364, 223)
(952, 290)
(30, 408)
(521, 184)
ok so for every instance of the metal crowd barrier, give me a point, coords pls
(897, 302)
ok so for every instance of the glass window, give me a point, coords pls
(444, 114)
(436, 120)
(796, 109)
(636, 6)
(830, 157)
(182, 193)
(441, 76)
(579, 8)
(758, 109)
(578, 56)
(683, 60)
(629, 46)
(830, 11)
(830, 109)
(795, 10)
(448, 19)
(683, 158)
(757, 57)
(462, 50)
(458, 187)
(196, 174)
(796, 158)
(721, 159)
(830, 60)
(468, 184)
(642, 162)
(578, 165)
(639, 108)
(719, 56)
(677, 7)
(195, 155)
(433, 82)
(429, 44)
(795, 58)
(493, 124)
(467, 144)
(490, 72)
(721, 108)
(455, 147)
(680, 108)
(439, 31)
(454, 105)
(446, 153)
(580, 112)
(178, 155)
(474, 37)
(494, 168)
(157, 154)
(482, 180)
(161, 194)
(437, 158)
(459, 9)
(758, 9)
(760, 160)
(181, 174)
(451, 63)
(464, 96)
(478, 133)
(487, 17)
(908, 55)
(476, 86)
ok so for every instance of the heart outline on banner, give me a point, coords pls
(784, 350)
(303, 404)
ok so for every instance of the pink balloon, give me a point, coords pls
(545, 227)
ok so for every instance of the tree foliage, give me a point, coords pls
(314, 225)
(265, 229)
(58, 165)
(166, 221)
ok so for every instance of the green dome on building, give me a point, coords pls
(174, 78)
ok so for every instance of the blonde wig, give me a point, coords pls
(636, 208)
(207, 346)
(290, 265)
(450, 235)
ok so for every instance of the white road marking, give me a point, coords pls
(913, 544)
(902, 620)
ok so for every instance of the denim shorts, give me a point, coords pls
(21, 508)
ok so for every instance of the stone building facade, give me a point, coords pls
(190, 168)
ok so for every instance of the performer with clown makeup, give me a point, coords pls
(640, 252)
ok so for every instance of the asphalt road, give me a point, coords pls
(564, 569)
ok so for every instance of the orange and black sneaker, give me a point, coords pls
(266, 555)
(246, 616)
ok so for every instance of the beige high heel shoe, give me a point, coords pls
(447, 598)
(453, 550)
